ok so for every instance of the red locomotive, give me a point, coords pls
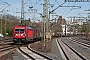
(23, 34)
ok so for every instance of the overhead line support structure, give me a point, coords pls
(22, 11)
(46, 15)
(74, 17)
(62, 6)
(88, 13)
(84, 13)
(46, 19)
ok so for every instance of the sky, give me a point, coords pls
(14, 6)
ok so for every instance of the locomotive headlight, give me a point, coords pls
(22, 34)
(15, 34)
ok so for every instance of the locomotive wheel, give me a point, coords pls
(24, 42)
(14, 42)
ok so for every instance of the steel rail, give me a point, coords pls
(63, 50)
(2, 49)
(80, 42)
(83, 58)
(33, 51)
(26, 54)
(79, 55)
(39, 53)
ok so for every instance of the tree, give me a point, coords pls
(8, 22)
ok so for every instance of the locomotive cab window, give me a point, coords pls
(19, 30)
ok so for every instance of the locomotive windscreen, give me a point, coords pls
(19, 30)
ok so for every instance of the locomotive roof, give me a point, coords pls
(29, 27)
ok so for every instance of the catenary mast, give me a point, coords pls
(46, 17)
(22, 11)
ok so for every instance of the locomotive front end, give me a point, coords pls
(19, 34)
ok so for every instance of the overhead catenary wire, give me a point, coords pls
(57, 2)
(65, 9)
(31, 9)
(56, 7)
(7, 6)
(70, 10)
(4, 6)
(37, 2)
(28, 2)
(32, 4)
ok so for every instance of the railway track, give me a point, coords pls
(67, 52)
(6, 45)
(6, 41)
(32, 54)
(77, 40)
